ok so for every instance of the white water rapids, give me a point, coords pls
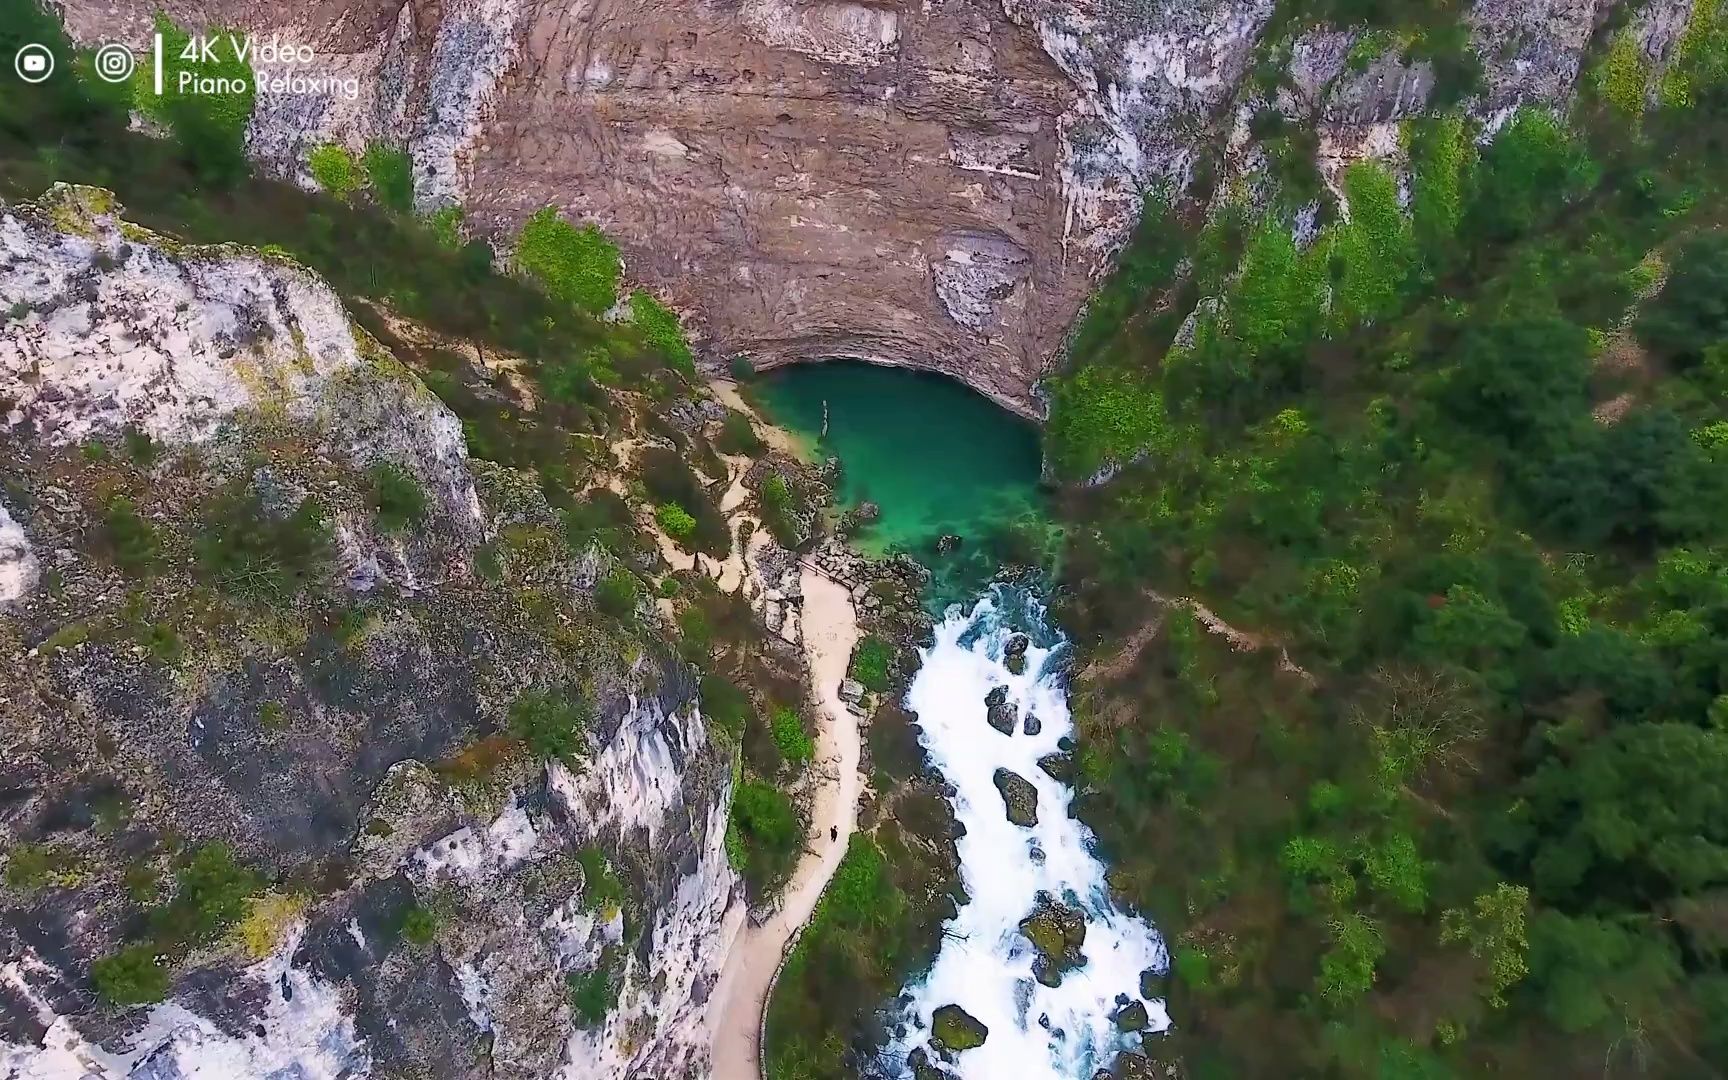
(985, 962)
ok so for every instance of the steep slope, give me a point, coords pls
(316, 748)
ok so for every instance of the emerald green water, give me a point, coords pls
(935, 456)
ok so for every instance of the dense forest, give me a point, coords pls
(1457, 461)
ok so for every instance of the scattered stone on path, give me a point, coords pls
(954, 1029)
(1057, 931)
(1014, 653)
(1000, 713)
(1019, 796)
(851, 691)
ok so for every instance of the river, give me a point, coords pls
(939, 459)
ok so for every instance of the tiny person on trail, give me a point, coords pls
(833, 833)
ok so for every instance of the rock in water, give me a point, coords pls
(947, 544)
(1059, 767)
(1033, 725)
(1132, 1017)
(1014, 653)
(953, 1029)
(1019, 795)
(1000, 713)
(1057, 931)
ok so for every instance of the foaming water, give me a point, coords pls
(985, 962)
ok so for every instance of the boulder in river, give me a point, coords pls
(1014, 653)
(1132, 1017)
(954, 1029)
(1032, 724)
(919, 1062)
(1059, 767)
(1057, 931)
(1020, 797)
(1001, 713)
(947, 544)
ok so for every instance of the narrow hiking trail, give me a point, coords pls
(830, 630)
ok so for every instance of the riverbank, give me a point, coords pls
(830, 630)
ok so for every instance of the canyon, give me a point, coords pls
(936, 184)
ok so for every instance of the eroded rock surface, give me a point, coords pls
(349, 746)
(932, 184)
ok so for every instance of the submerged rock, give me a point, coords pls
(954, 1029)
(947, 544)
(1000, 713)
(1020, 797)
(1058, 932)
(1014, 653)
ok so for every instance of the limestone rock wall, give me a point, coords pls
(934, 183)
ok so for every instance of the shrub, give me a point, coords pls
(334, 169)
(419, 924)
(210, 127)
(578, 266)
(675, 521)
(768, 829)
(210, 894)
(727, 708)
(248, 551)
(551, 725)
(870, 663)
(794, 742)
(397, 497)
(392, 176)
(593, 994)
(445, 224)
(615, 594)
(661, 328)
(602, 890)
(738, 436)
(132, 539)
(132, 976)
(780, 506)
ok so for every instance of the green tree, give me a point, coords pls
(1690, 314)
(1493, 929)
(1637, 818)
(789, 735)
(1522, 379)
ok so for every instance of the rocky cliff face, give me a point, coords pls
(927, 183)
(397, 888)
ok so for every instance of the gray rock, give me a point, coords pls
(999, 712)
(851, 691)
(1020, 797)
(947, 544)
(1032, 725)
(1014, 653)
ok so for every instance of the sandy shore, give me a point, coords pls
(735, 1012)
